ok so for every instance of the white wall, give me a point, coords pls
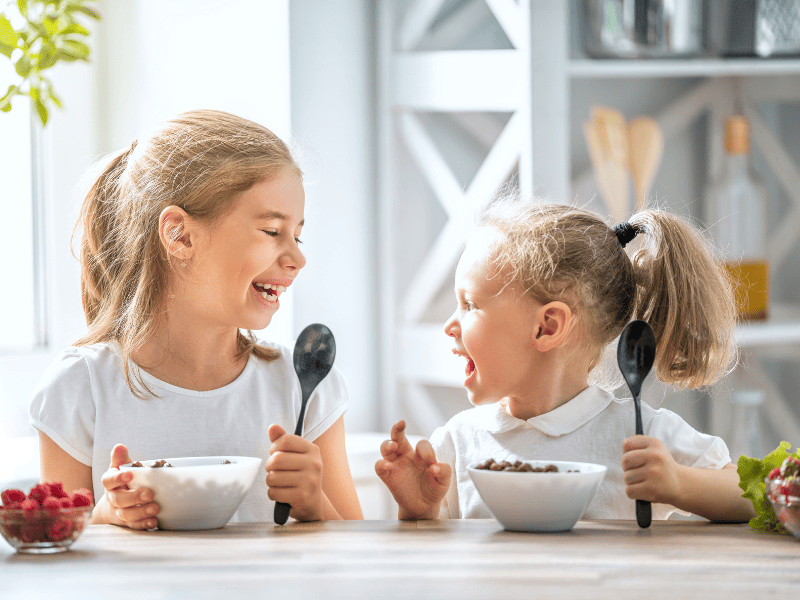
(333, 99)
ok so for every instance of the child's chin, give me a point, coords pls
(477, 400)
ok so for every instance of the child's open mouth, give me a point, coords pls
(470, 369)
(268, 291)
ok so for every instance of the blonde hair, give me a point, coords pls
(673, 280)
(201, 161)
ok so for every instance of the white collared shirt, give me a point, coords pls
(589, 428)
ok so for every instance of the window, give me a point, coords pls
(21, 302)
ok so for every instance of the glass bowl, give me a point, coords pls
(785, 499)
(43, 531)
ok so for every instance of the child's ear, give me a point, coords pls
(176, 231)
(553, 322)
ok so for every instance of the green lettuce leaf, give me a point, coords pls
(752, 473)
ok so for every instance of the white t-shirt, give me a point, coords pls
(84, 405)
(589, 428)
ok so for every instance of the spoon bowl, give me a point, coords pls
(636, 354)
(313, 357)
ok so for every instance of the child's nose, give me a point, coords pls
(451, 326)
(293, 258)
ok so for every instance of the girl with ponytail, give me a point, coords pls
(543, 291)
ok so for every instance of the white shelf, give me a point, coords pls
(782, 327)
(584, 68)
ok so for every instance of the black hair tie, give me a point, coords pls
(625, 232)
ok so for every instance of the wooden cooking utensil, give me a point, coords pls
(646, 144)
(607, 139)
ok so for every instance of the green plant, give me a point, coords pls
(48, 31)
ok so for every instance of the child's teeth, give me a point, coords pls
(264, 294)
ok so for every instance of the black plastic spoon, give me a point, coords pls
(313, 358)
(636, 353)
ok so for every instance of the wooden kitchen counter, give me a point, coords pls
(459, 559)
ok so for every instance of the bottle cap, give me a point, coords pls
(737, 135)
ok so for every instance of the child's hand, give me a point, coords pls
(650, 471)
(294, 474)
(121, 505)
(417, 482)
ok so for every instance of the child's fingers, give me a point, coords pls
(128, 498)
(634, 476)
(389, 450)
(425, 452)
(291, 443)
(636, 442)
(139, 517)
(635, 459)
(119, 456)
(641, 490)
(116, 480)
(275, 432)
(382, 468)
(441, 473)
(399, 435)
(288, 461)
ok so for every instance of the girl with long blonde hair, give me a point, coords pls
(188, 239)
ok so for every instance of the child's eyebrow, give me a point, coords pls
(271, 215)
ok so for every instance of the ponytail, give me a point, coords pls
(685, 294)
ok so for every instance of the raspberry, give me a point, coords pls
(31, 532)
(58, 530)
(14, 506)
(790, 466)
(30, 506)
(81, 497)
(775, 473)
(66, 502)
(57, 489)
(39, 492)
(12, 496)
(51, 504)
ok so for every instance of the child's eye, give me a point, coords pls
(270, 233)
(467, 305)
(298, 240)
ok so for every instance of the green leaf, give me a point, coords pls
(23, 7)
(55, 99)
(5, 101)
(41, 109)
(23, 66)
(51, 25)
(66, 57)
(6, 50)
(90, 12)
(73, 28)
(48, 55)
(74, 48)
(8, 37)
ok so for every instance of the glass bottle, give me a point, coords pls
(745, 436)
(737, 202)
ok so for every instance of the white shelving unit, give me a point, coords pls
(424, 70)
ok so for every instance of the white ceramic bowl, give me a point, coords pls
(198, 492)
(539, 501)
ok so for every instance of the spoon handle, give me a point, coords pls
(282, 512)
(644, 512)
(281, 508)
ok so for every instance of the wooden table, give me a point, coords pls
(415, 561)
